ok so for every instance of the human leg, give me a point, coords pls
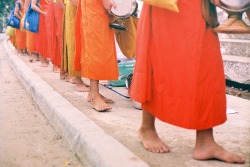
(105, 99)
(80, 85)
(31, 57)
(95, 97)
(148, 135)
(44, 62)
(206, 148)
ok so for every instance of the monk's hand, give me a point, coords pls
(216, 2)
(108, 4)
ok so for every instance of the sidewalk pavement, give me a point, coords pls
(110, 139)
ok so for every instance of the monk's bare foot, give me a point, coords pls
(214, 151)
(68, 78)
(82, 88)
(73, 80)
(151, 141)
(105, 99)
(21, 54)
(78, 80)
(44, 64)
(63, 75)
(56, 69)
(39, 59)
(99, 105)
(31, 58)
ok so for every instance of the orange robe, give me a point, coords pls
(56, 35)
(21, 35)
(98, 55)
(40, 37)
(50, 29)
(78, 38)
(20, 39)
(30, 41)
(179, 75)
(69, 46)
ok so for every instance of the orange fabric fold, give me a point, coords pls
(57, 37)
(179, 75)
(98, 54)
(20, 39)
(78, 36)
(40, 37)
(30, 41)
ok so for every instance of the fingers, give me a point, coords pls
(113, 5)
(216, 2)
(108, 5)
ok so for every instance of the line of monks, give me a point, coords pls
(70, 38)
(178, 74)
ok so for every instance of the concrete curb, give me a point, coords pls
(89, 141)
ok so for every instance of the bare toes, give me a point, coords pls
(82, 89)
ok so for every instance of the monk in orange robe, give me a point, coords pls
(30, 36)
(98, 55)
(69, 47)
(50, 28)
(56, 34)
(179, 78)
(20, 33)
(40, 36)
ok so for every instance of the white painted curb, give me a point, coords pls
(89, 141)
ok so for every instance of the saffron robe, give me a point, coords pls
(30, 41)
(179, 75)
(56, 32)
(21, 35)
(50, 37)
(98, 55)
(40, 37)
(69, 47)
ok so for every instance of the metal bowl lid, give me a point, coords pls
(125, 8)
(235, 5)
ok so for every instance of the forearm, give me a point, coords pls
(74, 2)
(16, 12)
(35, 8)
(26, 5)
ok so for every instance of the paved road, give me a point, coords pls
(26, 137)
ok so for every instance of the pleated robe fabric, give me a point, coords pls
(78, 38)
(40, 37)
(51, 38)
(20, 39)
(179, 75)
(30, 41)
(69, 47)
(21, 35)
(57, 37)
(98, 55)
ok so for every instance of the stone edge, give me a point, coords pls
(88, 141)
